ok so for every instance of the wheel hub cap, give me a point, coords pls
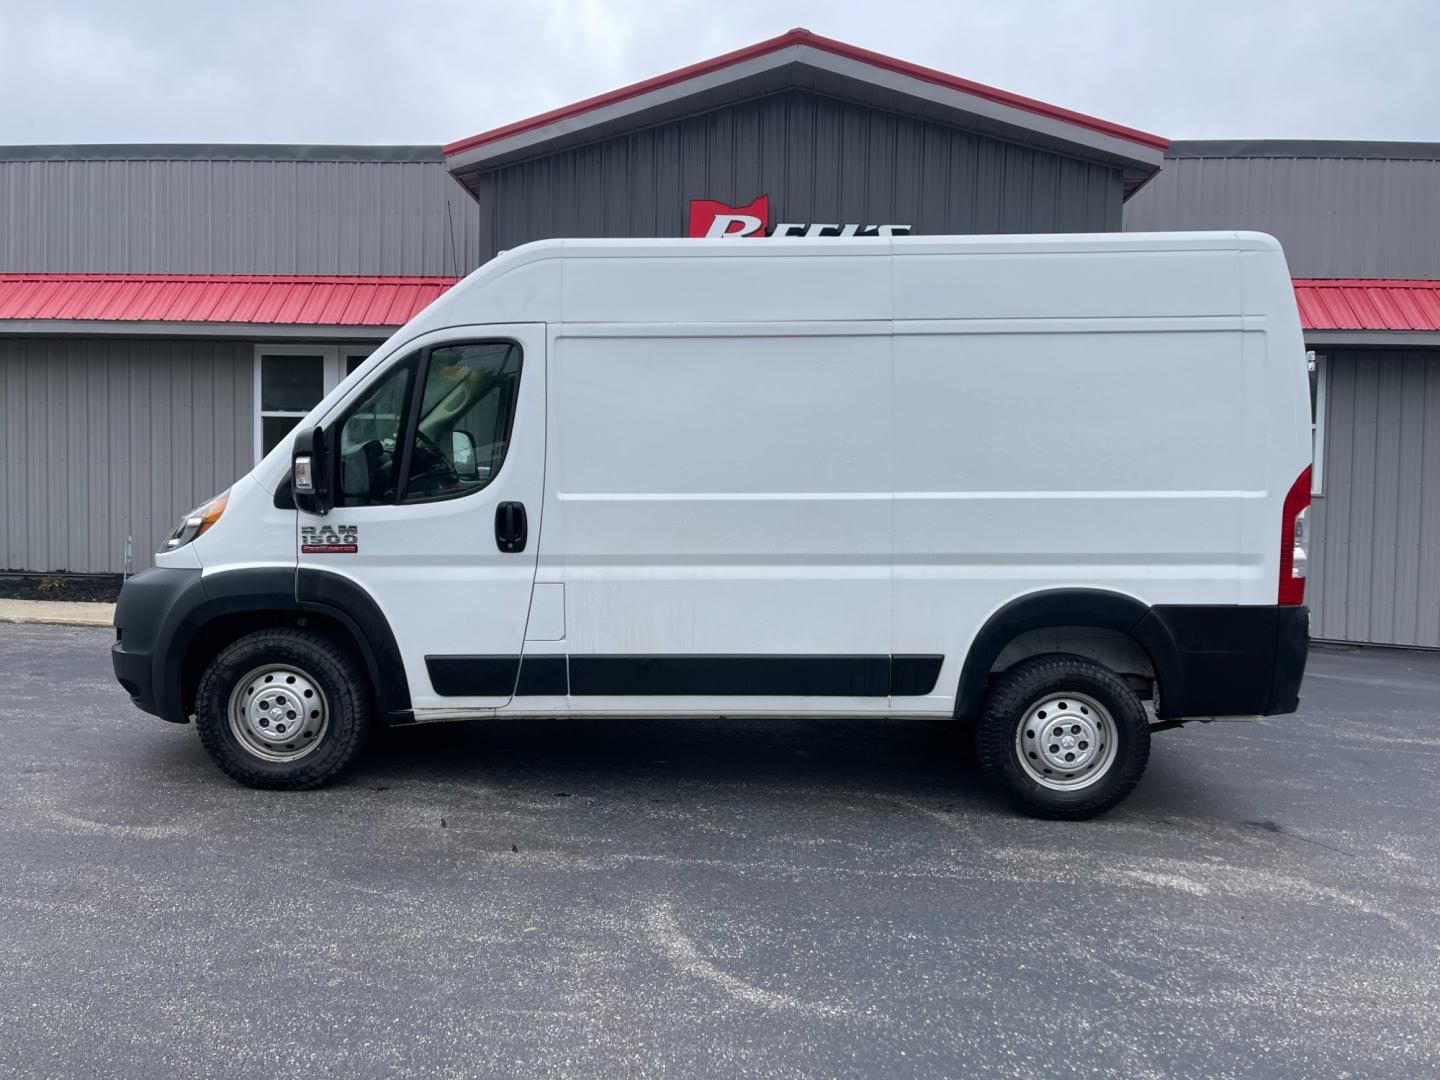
(278, 713)
(1066, 741)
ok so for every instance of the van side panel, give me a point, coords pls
(1033, 278)
(1110, 420)
(737, 282)
(723, 499)
(1030, 461)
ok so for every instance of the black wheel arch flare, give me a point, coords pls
(345, 600)
(200, 602)
(1097, 608)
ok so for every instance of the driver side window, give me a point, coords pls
(462, 429)
(369, 446)
(450, 442)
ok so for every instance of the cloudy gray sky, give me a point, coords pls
(430, 71)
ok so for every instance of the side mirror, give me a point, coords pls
(463, 456)
(310, 472)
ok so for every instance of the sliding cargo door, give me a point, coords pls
(719, 513)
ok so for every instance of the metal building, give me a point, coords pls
(167, 312)
(1360, 223)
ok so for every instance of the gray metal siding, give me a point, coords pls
(194, 216)
(1336, 217)
(819, 160)
(107, 438)
(1376, 539)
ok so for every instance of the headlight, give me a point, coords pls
(197, 521)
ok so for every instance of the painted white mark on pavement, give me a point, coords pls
(665, 931)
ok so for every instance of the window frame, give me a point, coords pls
(417, 401)
(410, 422)
(333, 363)
(415, 361)
(1318, 425)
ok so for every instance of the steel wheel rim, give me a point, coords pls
(1066, 741)
(278, 713)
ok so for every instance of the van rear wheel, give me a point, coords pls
(284, 709)
(1062, 737)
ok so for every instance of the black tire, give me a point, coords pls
(335, 674)
(1029, 683)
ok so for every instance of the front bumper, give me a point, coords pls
(144, 616)
(132, 670)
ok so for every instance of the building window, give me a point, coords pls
(290, 380)
(1317, 423)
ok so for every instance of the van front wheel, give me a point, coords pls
(283, 709)
(1063, 737)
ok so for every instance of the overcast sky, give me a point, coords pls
(431, 71)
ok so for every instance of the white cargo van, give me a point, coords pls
(1025, 482)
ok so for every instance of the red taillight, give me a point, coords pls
(1293, 570)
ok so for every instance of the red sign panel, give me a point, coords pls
(711, 218)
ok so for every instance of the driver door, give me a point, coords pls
(440, 460)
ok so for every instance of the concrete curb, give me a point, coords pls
(57, 613)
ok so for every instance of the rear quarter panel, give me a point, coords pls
(1120, 420)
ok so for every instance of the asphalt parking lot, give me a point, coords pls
(686, 898)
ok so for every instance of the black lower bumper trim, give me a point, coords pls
(1229, 660)
(132, 671)
(148, 602)
(1292, 649)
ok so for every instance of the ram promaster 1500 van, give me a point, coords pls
(1049, 486)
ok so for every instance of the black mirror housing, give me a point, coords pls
(310, 472)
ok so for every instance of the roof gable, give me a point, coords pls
(809, 61)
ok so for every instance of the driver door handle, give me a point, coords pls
(510, 527)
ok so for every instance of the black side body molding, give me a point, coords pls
(684, 676)
(730, 676)
(543, 676)
(473, 676)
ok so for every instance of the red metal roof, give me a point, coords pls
(218, 298)
(275, 299)
(1374, 304)
(801, 36)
